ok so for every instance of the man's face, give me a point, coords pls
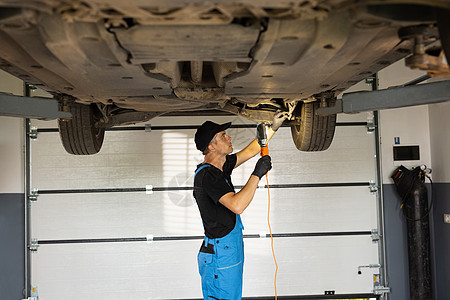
(222, 142)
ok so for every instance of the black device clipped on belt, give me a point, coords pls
(207, 249)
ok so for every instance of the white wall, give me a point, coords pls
(410, 124)
(427, 126)
(440, 149)
(439, 115)
(11, 141)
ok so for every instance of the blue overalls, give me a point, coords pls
(222, 270)
(221, 263)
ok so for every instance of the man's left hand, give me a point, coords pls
(278, 119)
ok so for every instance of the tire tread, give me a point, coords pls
(79, 135)
(315, 133)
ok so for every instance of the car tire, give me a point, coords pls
(79, 135)
(443, 18)
(314, 133)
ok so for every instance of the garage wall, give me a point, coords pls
(424, 125)
(308, 265)
(440, 141)
(411, 125)
(428, 127)
(12, 198)
(440, 147)
(11, 141)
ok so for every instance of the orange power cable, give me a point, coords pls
(271, 237)
(264, 152)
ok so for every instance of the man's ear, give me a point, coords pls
(211, 147)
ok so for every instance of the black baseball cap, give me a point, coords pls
(206, 133)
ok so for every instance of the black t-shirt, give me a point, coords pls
(210, 184)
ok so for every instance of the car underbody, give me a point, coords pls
(116, 62)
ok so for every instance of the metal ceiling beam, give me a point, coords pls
(395, 97)
(30, 107)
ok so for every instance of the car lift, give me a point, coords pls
(396, 97)
(30, 107)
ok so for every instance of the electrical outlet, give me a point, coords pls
(447, 218)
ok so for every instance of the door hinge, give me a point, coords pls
(32, 197)
(379, 289)
(373, 187)
(34, 293)
(370, 126)
(149, 189)
(33, 133)
(375, 236)
(34, 244)
(149, 238)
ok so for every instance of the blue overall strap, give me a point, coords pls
(204, 166)
(201, 168)
(196, 172)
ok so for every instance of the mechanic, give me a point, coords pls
(221, 256)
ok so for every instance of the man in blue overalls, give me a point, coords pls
(221, 256)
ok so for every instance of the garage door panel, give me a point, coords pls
(128, 169)
(157, 271)
(117, 271)
(309, 266)
(312, 210)
(59, 170)
(166, 159)
(117, 215)
(131, 215)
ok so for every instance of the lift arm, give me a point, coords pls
(391, 98)
(30, 107)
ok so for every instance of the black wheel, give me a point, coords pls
(443, 18)
(314, 133)
(79, 135)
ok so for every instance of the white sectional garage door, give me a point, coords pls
(123, 224)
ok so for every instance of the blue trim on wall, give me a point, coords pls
(396, 242)
(396, 245)
(12, 252)
(441, 240)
